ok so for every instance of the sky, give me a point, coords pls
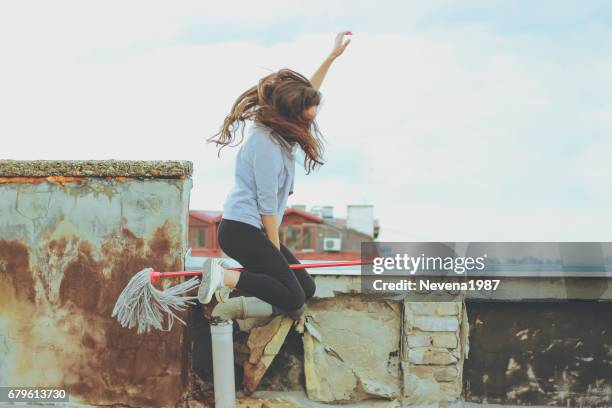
(459, 121)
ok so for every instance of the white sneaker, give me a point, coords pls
(212, 279)
(223, 292)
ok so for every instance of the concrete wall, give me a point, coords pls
(350, 347)
(385, 347)
(72, 234)
(540, 353)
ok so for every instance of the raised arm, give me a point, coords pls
(339, 46)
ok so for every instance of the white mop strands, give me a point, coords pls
(142, 304)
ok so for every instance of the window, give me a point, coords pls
(307, 238)
(197, 237)
(201, 237)
(293, 237)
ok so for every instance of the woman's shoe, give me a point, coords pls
(212, 279)
(223, 292)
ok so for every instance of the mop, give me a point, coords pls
(143, 306)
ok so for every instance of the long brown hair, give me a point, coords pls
(277, 101)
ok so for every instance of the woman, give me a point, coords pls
(282, 107)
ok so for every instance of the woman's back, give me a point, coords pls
(263, 179)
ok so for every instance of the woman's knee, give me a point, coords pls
(294, 305)
(295, 314)
(310, 289)
(297, 301)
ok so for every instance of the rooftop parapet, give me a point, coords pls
(96, 168)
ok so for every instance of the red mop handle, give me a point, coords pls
(154, 276)
(316, 265)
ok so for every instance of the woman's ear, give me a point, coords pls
(310, 113)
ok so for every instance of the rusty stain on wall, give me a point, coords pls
(66, 253)
(15, 268)
(51, 179)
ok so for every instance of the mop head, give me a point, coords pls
(142, 304)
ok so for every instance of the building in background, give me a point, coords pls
(314, 234)
(203, 227)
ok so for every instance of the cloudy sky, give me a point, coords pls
(458, 120)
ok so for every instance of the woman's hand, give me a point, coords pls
(270, 227)
(340, 44)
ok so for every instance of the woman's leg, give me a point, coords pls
(267, 275)
(302, 275)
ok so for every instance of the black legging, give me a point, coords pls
(267, 275)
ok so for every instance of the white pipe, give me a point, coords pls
(221, 333)
(223, 363)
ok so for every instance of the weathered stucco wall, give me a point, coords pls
(352, 349)
(72, 234)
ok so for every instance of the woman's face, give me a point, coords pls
(310, 113)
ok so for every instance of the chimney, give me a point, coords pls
(328, 212)
(361, 218)
(316, 211)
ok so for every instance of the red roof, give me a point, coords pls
(340, 222)
(304, 214)
(215, 216)
(210, 217)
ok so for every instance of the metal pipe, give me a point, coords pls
(223, 363)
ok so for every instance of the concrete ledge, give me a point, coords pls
(511, 289)
(96, 168)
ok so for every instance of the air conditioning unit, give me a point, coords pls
(332, 244)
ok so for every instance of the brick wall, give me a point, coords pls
(432, 351)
